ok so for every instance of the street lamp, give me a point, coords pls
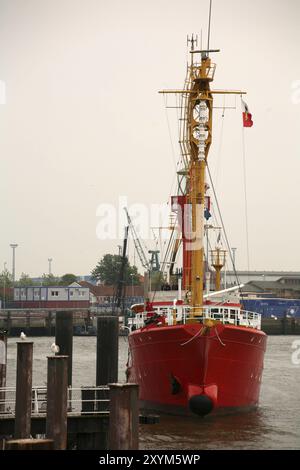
(13, 246)
(50, 261)
(4, 285)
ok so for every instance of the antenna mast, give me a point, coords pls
(209, 20)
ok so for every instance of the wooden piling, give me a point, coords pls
(3, 362)
(57, 399)
(29, 444)
(64, 338)
(48, 323)
(107, 350)
(124, 417)
(23, 389)
(284, 324)
(27, 322)
(8, 321)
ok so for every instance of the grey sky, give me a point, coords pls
(83, 122)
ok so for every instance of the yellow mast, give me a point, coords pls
(200, 106)
(196, 145)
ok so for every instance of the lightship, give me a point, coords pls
(197, 354)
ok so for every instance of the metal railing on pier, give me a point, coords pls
(81, 400)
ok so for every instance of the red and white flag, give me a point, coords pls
(247, 116)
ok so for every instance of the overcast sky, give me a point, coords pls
(83, 123)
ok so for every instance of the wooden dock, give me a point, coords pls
(281, 326)
(59, 416)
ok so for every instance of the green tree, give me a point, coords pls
(25, 280)
(6, 282)
(50, 280)
(6, 279)
(108, 269)
(68, 279)
(156, 280)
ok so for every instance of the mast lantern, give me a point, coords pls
(218, 258)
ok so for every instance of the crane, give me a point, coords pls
(138, 246)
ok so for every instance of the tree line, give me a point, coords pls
(25, 280)
(106, 271)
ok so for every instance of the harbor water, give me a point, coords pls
(274, 425)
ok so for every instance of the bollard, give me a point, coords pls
(3, 362)
(57, 394)
(107, 350)
(64, 338)
(124, 417)
(23, 389)
(29, 444)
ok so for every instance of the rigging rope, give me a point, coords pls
(170, 135)
(223, 226)
(164, 262)
(220, 144)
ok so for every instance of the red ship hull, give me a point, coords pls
(191, 368)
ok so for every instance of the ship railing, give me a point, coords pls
(138, 321)
(225, 314)
(83, 400)
(184, 314)
(252, 319)
(210, 70)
